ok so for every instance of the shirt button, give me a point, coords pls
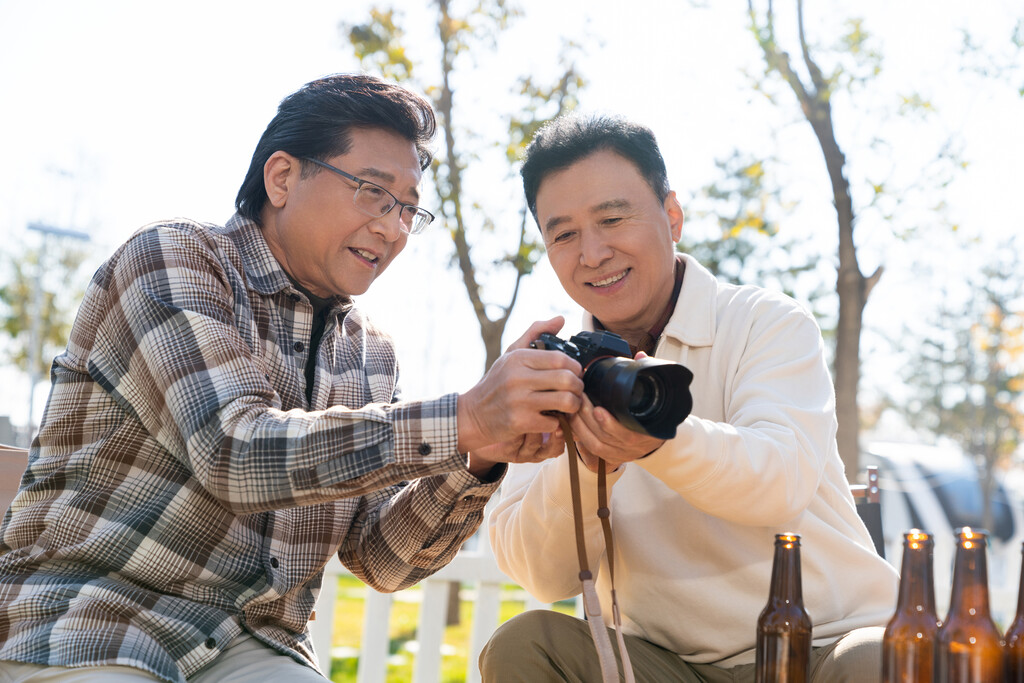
(299, 346)
(274, 563)
(294, 297)
(425, 448)
(211, 643)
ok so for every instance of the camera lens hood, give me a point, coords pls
(649, 395)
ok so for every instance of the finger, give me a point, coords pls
(541, 360)
(587, 416)
(551, 326)
(610, 428)
(531, 444)
(540, 388)
(551, 448)
(554, 402)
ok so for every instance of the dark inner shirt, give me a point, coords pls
(650, 340)
(321, 310)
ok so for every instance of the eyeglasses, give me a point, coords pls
(374, 200)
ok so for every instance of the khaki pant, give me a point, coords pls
(540, 646)
(246, 660)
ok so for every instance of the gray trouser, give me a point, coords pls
(246, 660)
(540, 646)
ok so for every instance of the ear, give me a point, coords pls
(280, 173)
(674, 211)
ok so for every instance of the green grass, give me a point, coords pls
(348, 625)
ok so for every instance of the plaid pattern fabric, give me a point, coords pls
(181, 489)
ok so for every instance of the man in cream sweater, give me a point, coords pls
(694, 516)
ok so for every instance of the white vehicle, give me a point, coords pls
(937, 489)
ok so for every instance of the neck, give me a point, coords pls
(272, 235)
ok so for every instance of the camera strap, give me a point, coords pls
(591, 604)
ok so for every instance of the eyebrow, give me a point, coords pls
(555, 221)
(384, 177)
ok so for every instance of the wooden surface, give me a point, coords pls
(12, 465)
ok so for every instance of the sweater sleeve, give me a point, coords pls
(777, 427)
(531, 528)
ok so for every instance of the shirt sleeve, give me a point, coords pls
(167, 349)
(402, 534)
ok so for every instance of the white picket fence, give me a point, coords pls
(475, 568)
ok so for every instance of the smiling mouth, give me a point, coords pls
(365, 255)
(610, 280)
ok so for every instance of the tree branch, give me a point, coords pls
(872, 280)
(820, 85)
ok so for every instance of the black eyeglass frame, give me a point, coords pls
(413, 229)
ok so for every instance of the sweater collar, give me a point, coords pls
(693, 322)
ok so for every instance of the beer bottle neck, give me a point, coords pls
(786, 582)
(969, 596)
(917, 585)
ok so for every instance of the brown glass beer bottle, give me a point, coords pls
(968, 647)
(1015, 636)
(783, 650)
(908, 646)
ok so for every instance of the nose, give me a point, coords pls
(388, 226)
(594, 250)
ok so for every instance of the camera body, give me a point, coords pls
(649, 396)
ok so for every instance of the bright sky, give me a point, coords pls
(116, 114)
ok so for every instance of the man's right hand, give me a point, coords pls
(512, 398)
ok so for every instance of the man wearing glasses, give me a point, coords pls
(224, 420)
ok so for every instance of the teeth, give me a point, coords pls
(608, 281)
(369, 256)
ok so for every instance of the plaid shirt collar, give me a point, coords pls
(265, 274)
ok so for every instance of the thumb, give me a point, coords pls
(551, 326)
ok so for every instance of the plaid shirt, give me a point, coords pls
(181, 490)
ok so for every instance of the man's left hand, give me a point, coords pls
(598, 435)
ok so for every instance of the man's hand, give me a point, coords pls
(599, 436)
(513, 398)
(525, 448)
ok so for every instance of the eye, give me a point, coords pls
(563, 236)
(373, 191)
(612, 220)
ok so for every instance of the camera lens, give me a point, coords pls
(646, 396)
(649, 396)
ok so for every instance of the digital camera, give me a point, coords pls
(649, 395)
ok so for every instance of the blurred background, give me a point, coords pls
(882, 142)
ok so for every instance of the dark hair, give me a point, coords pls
(315, 121)
(568, 139)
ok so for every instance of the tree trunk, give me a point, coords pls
(852, 287)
